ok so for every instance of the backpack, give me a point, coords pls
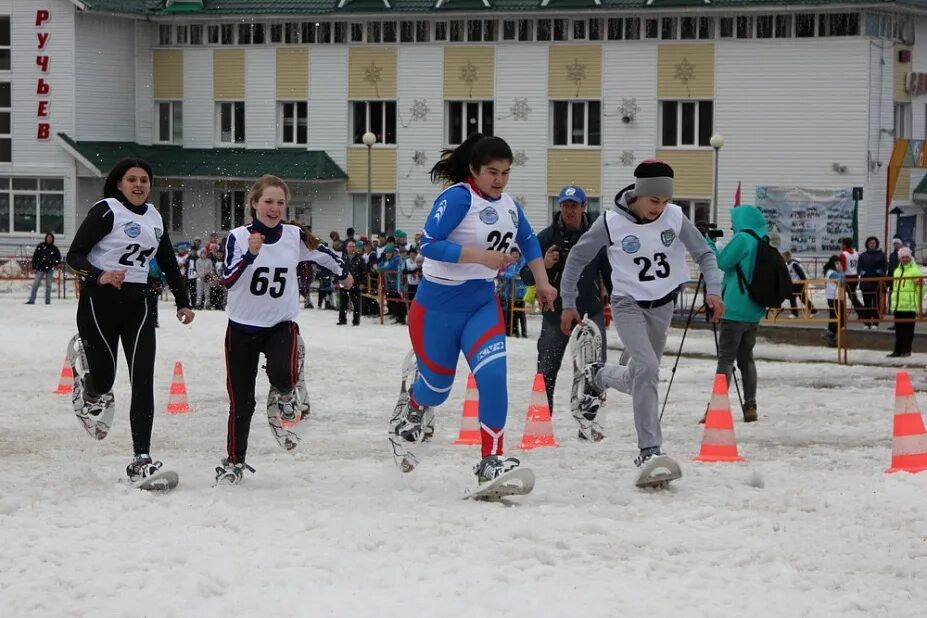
(771, 283)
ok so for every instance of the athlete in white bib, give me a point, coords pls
(110, 253)
(647, 239)
(849, 259)
(260, 274)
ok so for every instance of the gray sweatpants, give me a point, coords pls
(643, 332)
(735, 342)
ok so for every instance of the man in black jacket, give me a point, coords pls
(556, 241)
(44, 260)
(357, 266)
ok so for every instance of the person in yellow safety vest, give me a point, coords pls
(905, 301)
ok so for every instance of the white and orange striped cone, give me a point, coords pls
(470, 420)
(909, 440)
(539, 430)
(718, 441)
(177, 401)
(66, 381)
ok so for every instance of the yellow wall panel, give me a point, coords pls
(293, 73)
(903, 188)
(228, 74)
(469, 73)
(566, 166)
(686, 70)
(382, 167)
(901, 71)
(574, 72)
(372, 73)
(692, 171)
(168, 74)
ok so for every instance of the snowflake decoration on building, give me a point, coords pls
(685, 71)
(469, 73)
(627, 158)
(628, 108)
(521, 201)
(520, 158)
(520, 108)
(576, 72)
(419, 109)
(419, 158)
(419, 201)
(373, 74)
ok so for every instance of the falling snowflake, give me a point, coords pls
(373, 74)
(520, 108)
(576, 72)
(627, 158)
(419, 109)
(469, 72)
(520, 158)
(685, 71)
(628, 108)
(521, 201)
(419, 201)
(419, 158)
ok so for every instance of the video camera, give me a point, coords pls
(709, 230)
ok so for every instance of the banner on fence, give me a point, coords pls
(806, 220)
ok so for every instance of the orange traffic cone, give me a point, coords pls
(177, 401)
(470, 421)
(718, 442)
(538, 429)
(66, 381)
(909, 440)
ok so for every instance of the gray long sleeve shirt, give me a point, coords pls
(596, 237)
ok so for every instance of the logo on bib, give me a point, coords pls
(489, 215)
(667, 237)
(514, 216)
(158, 233)
(132, 229)
(631, 244)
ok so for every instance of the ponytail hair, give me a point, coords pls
(257, 190)
(475, 152)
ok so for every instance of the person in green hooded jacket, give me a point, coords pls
(741, 315)
(905, 301)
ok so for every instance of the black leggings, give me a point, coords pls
(101, 325)
(280, 345)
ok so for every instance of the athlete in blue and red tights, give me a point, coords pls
(468, 234)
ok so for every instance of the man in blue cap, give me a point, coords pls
(556, 241)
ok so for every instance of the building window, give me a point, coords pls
(695, 210)
(456, 31)
(804, 25)
(577, 123)
(688, 28)
(231, 122)
(196, 34)
(686, 123)
(227, 34)
(764, 26)
(593, 207)
(32, 205)
(903, 121)
(525, 29)
(745, 27)
(182, 34)
(170, 122)
(838, 24)
(441, 31)
(651, 29)
(414, 32)
(357, 32)
(706, 27)
(212, 35)
(378, 117)
(5, 43)
(668, 28)
(293, 123)
(381, 216)
(783, 26)
(165, 33)
(170, 204)
(250, 34)
(552, 30)
(467, 117)
(233, 209)
(726, 27)
(508, 30)
(6, 123)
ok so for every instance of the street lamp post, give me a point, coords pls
(717, 142)
(369, 140)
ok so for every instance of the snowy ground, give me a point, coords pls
(809, 526)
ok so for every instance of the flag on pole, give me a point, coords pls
(737, 195)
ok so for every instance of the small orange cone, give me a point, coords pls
(909, 440)
(66, 381)
(470, 421)
(718, 442)
(177, 401)
(538, 429)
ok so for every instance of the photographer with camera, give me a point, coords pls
(741, 314)
(556, 241)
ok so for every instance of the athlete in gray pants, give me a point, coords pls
(647, 239)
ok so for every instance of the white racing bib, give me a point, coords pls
(131, 244)
(648, 259)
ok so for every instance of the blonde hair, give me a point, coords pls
(257, 190)
(312, 241)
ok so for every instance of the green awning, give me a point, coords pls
(183, 6)
(226, 163)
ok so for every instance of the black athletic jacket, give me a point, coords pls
(92, 230)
